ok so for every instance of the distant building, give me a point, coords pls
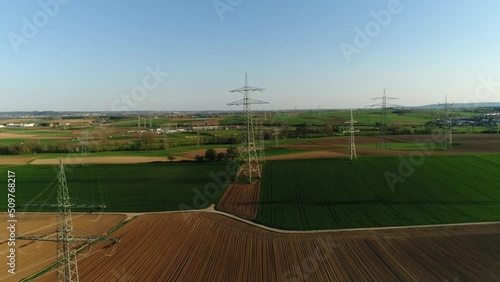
(20, 125)
(207, 127)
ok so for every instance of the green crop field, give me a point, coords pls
(336, 193)
(363, 116)
(122, 188)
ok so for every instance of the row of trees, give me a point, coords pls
(147, 142)
(212, 155)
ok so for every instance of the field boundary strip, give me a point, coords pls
(284, 231)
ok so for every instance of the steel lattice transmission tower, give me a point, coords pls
(250, 167)
(276, 133)
(351, 149)
(262, 152)
(447, 132)
(383, 140)
(67, 267)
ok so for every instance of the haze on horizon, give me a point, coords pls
(68, 55)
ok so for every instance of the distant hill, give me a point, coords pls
(461, 105)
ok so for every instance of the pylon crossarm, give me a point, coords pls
(246, 102)
(71, 206)
(247, 88)
(74, 239)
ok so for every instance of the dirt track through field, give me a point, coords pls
(204, 246)
(241, 199)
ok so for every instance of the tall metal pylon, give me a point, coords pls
(383, 141)
(446, 123)
(276, 133)
(496, 119)
(198, 137)
(351, 149)
(250, 166)
(67, 266)
(262, 151)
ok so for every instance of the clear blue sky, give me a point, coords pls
(92, 52)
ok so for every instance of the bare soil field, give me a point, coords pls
(28, 136)
(205, 246)
(241, 199)
(14, 160)
(33, 256)
(101, 160)
(307, 155)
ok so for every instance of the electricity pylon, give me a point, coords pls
(67, 266)
(383, 140)
(67, 269)
(276, 133)
(351, 149)
(447, 132)
(262, 153)
(198, 137)
(250, 167)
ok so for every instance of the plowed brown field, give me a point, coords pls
(32, 256)
(205, 246)
(241, 199)
(101, 160)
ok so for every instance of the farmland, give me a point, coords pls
(334, 194)
(204, 246)
(121, 187)
(300, 190)
(34, 256)
(295, 194)
(241, 199)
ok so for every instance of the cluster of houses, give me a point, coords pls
(175, 129)
(52, 124)
(17, 125)
(489, 119)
